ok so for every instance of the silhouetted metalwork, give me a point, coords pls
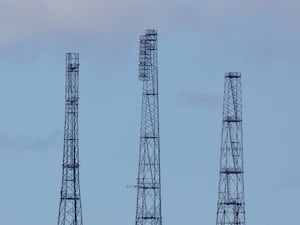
(231, 204)
(70, 201)
(148, 203)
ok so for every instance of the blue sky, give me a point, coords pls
(198, 42)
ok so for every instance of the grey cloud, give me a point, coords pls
(46, 20)
(288, 178)
(199, 99)
(22, 142)
(293, 179)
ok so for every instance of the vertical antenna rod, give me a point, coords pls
(231, 204)
(70, 202)
(148, 202)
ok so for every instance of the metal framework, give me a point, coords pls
(148, 202)
(231, 204)
(70, 202)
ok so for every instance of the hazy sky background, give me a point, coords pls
(198, 41)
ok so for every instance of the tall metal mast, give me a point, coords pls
(70, 202)
(231, 204)
(148, 203)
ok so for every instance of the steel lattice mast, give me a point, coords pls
(148, 203)
(231, 204)
(70, 202)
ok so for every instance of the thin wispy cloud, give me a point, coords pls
(22, 142)
(195, 99)
(292, 179)
(288, 179)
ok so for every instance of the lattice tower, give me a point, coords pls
(70, 201)
(148, 202)
(231, 204)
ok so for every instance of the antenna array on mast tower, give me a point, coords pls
(148, 202)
